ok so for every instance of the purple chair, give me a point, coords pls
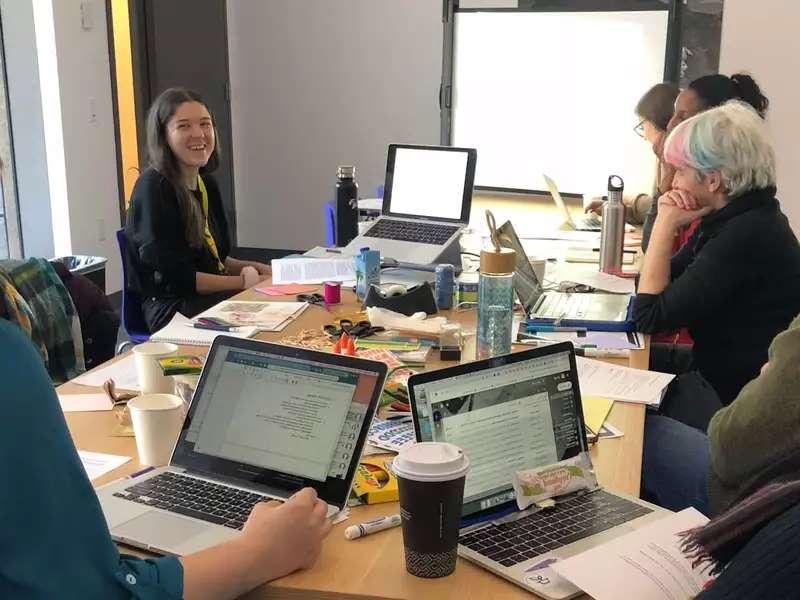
(132, 316)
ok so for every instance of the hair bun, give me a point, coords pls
(747, 90)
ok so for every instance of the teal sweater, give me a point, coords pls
(54, 542)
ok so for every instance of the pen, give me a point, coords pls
(356, 531)
(213, 327)
(600, 353)
(533, 328)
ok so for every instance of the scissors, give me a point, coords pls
(358, 330)
(317, 299)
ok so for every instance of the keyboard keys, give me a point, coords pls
(426, 233)
(514, 542)
(196, 498)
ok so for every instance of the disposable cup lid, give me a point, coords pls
(431, 461)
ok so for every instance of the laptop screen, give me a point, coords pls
(517, 411)
(280, 416)
(433, 182)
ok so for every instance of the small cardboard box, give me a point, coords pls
(374, 482)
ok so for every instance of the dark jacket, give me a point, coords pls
(166, 264)
(735, 285)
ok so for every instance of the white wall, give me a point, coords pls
(85, 204)
(25, 114)
(761, 38)
(316, 84)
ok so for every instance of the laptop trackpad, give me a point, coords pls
(160, 530)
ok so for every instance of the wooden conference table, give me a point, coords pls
(373, 567)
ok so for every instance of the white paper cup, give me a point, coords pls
(151, 378)
(157, 420)
(539, 265)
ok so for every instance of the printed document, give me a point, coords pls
(621, 383)
(122, 371)
(97, 464)
(646, 564)
(312, 270)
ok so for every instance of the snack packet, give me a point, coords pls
(565, 477)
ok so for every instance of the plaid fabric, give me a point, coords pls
(53, 321)
(19, 312)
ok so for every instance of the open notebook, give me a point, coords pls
(180, 331)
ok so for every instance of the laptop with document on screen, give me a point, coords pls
(265, 421)
(587, 223)
(509, 413)
(426, 204)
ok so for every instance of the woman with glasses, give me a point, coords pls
(654, 111)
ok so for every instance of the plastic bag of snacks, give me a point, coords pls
(565, 477)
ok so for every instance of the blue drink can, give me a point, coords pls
(444, 281)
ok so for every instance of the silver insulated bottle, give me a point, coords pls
(613, 232)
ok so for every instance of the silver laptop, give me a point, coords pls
(556, 306)
(265, 421)
(587, 223)
(426, 203)
(507, 413)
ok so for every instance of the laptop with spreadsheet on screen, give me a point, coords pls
(265, 421)
(426, 203)
(517, 411)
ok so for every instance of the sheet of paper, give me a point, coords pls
(123, 372)
(621, 383)
(604, 281)
(97, 464)
(84, 402)
(595, 411)
(312, 270)
(290, 289)
(646, 564)
(264, 316)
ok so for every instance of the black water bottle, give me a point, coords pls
(346, 206)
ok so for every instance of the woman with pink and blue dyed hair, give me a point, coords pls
(736, 283)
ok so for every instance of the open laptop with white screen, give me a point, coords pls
(509, 413)
(426, 203)
(265, 421)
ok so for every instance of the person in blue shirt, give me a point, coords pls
(54, 541)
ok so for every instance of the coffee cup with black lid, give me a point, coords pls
(431, 477)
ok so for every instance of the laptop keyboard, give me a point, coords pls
(218, 504)
(590, 222)
(405, 231)
(569, 521)
(558, 305)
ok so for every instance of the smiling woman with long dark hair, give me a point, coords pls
(176, 226)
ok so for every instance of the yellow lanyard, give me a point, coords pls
(212, 245)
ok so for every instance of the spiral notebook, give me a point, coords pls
(180, 331)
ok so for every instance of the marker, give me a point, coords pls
(533, 328)
(599, 353)
(356, 531)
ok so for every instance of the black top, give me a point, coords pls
(767, 566)
(735, 286)
(155, 232)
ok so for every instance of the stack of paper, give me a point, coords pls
(621, 383)
(122, 371)
(97, 464)
(263, 316)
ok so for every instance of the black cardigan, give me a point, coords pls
(155, 232)
(735, 285)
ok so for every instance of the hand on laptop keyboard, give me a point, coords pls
(286, 537)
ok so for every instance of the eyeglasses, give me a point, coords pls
(639, 129)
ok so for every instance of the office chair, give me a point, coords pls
(132, 316)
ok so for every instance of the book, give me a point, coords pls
(179, 331)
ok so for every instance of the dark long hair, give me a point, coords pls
(714, 90)
(165, 162)
(657, 104)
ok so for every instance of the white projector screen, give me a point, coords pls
(554, 93)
